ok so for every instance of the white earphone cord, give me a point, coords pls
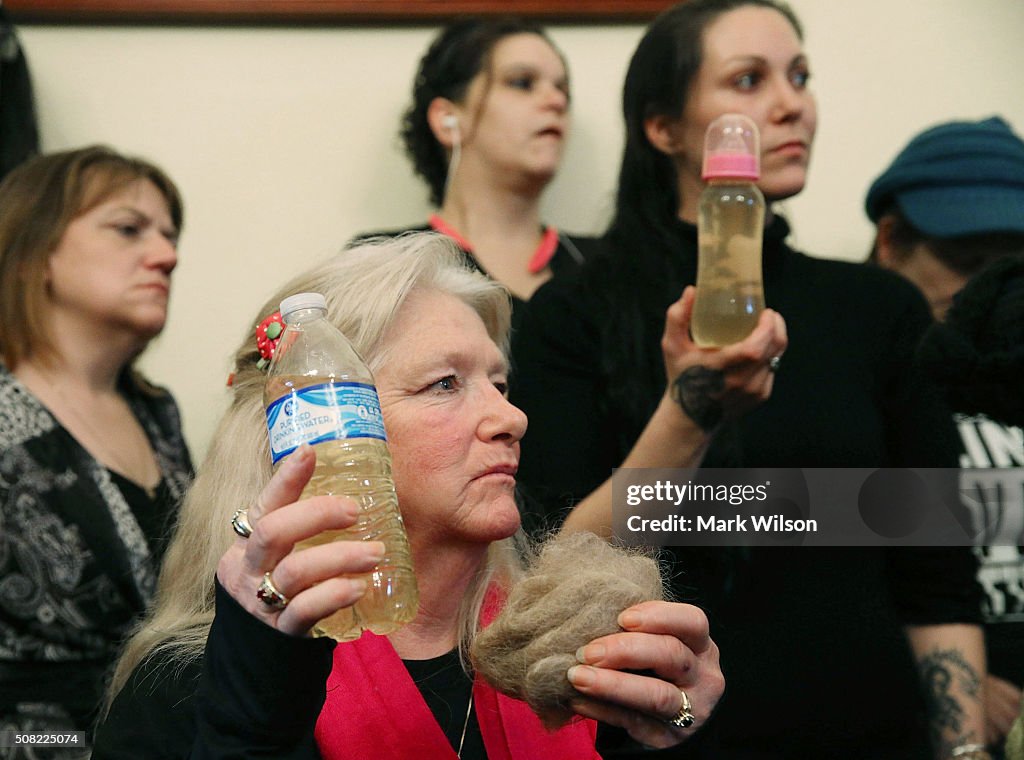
(453, 163)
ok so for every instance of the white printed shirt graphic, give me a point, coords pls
(997, 509)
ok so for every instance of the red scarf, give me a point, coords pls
(374, 710)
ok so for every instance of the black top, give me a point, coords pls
(155, 512)
(210, 707)
(446, 688)
(571, 253)
(977, 355)
(812, 641)
(215, 707)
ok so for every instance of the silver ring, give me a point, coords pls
(774, 362)
(240, 523)
(270, 596)
(684, 718)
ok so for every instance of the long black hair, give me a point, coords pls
(640, 263)
(460, 52)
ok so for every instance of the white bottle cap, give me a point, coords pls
(302, 301)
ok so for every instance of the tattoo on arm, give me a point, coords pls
(949, 682)
(698, 390)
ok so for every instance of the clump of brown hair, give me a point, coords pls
(572, 593)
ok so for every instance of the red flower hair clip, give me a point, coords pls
(268, 334)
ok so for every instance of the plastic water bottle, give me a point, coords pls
(319, 391)
(730, 228)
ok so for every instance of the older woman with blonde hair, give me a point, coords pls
(214, 671)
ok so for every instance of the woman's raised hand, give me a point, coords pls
(680, 680)
(306, 585)
(713, 383)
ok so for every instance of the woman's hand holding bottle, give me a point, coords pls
(312, 580)
(710, 384)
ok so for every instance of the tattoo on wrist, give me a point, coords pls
(698, 390)
(949, 684)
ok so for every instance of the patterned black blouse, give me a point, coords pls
(80, 549)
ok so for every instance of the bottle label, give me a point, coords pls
(326, 412)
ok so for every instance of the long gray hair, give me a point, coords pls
(365, 288)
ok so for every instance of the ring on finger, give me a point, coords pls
(774, 363)
(684, 718)
(240, 523)
(269, 594)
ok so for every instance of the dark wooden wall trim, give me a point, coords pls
(389, 12)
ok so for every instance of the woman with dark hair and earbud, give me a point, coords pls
(486, 130)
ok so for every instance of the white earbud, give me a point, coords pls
(451, 122)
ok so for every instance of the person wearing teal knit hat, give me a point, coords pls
(949, 212)
(951, 202)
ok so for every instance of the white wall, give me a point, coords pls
(283, 140)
